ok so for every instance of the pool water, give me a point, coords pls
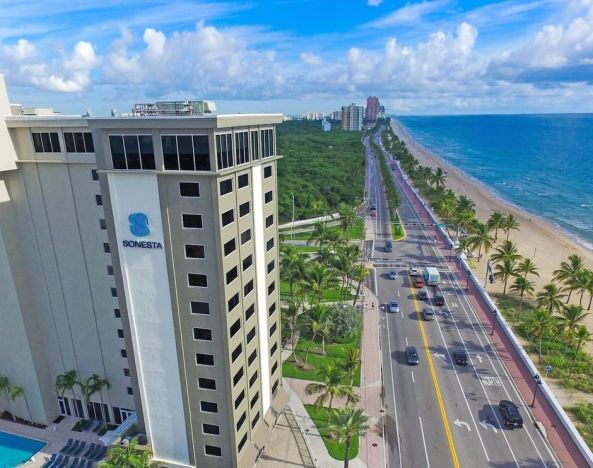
(16, 450)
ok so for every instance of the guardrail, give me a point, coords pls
(504, 326)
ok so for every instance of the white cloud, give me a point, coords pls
(374, 2)
(23, 49)
(409, 14)
(311, 59)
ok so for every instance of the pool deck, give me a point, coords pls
(55, 435)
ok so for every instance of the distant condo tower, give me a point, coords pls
(373, 109)
(144, 250)
(352, 117)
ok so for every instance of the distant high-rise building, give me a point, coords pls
(373, 108)
(164, 108)
(352, 117)
(326, 126)
(315, 115)
(336, 115)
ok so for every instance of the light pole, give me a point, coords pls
(494, 314)
(292, 229)
(467, 284)
(538, 382)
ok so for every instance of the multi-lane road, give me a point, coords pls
(439, 414)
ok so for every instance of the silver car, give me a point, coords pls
(428, 314)
(393, 306)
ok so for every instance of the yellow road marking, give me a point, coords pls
(435, 381)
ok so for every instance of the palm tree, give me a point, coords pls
(6, 387)
(504, 271)
(495, 222)
(331, 386)
(582, 281)
(360, 274)
(510, 223)
(320, 234)
(466, 219)
(527, 267)
(291, 315)
(344, 264)
(581, 336)
(590, 291)
(348, 216)
(292, 266)
(506, 251)
(351, 363)
(99, 385)
(550, 298)
(18, 391)
(522, 285)
(438, 178)
(481, 238)
(540, 326)
(316, 320)
(568, 271)
(88, 388)
(318, 280)
(67, 382)
(128, 456)
(466, 204)
(348, 424)
(571, 317)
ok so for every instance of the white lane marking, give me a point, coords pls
(439, 355)
(375, 283)
(486, 425)
(398, 293)
(424, 442)
(412, 372)
(479, 358)
(406, 341)
(491, 381)
(460, 423)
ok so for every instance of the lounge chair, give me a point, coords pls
(67, 446)
(80, 448)
(101, 453)
(89, 464)
(73, 447)
(93, 456)
(51, 461)
(90, 450)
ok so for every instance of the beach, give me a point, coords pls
(537, 238)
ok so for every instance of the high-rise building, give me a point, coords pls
(315, 115)
(326, 125)
(352, 117)
(372, 109)
(336, 115)
(174, 108)
(144, 250)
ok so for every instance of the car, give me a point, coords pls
(439, 299)
(461, 358)
(419, 282)
(428, 314)
(388, 246)
(393, 306)
(393, 275)
(412, 356)
(413, 271)
(511, 417)
(423, 295)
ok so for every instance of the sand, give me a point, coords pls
(537, 238)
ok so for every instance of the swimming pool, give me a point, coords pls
(16, 450)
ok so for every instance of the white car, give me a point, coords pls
(413, 271)
(393, 307)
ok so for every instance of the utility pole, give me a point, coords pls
(292, 228)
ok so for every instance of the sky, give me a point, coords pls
(298, 56)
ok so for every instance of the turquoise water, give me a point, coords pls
(16, 450)
(541, 163)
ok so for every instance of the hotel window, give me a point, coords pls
(202, 334)
(197, 280)
(208, 406)
(202, 308)
(227, 217)
(255, 420)
(273, 349)
(274, 367)
(272, 309)
(46, 142)
(106, 247)
(271, 287)
(243, 441)
(207, 384)
(103, 224)
(79, 142)
(254, 400)
(233, 302)
(245, 236)
(240, 422)
(99, 200)
(251, 335)
(269, 221)
(189, 189)
(274, 388)
(254, 144)
(247, 262)
(120, 333)
(126, 372)
(270, 244)
(236, 352)
(123, 353)
(186, 152)
(271, 266)
(243, 209)
(226, 186)
(243, 180)
(272, 329)
(253, 379)
(211, 429)
(132, 152)
(268, 197)
(242, 147)
(130, 391)
(235, 327)
(117, 313)
(192, 221)
(267, 172)
(249, 312)
(230, 247)
(252, 357)
(94, 174)
(194, 251)
(113, 292)
(212, 450)
(231, 275)
(241, 396)
(204, 359)
(109, 270)
(267, 137)
(248, 288)
(224, 151)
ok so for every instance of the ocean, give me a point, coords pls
(540, 163)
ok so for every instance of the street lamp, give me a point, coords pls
(538, 382)
(494, 314)
(292, 229)
(467, 284)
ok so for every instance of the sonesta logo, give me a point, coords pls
(139, 227)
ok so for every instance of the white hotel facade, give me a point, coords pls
(144, 250)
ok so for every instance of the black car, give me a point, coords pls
(412, 356)
(461, 358)
(510, 414)
(422, 295)
(439, 299)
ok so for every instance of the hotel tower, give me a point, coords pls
(144, 250)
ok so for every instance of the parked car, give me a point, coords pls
(419, 282)
(510, 414)
(393, 306)
(423, 295)
(439, 299)
(393, 275)
(412, 356)
(428, 314)
(461, 358)
(413, 271)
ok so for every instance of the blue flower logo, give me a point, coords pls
(139, 224)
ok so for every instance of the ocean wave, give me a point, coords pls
(583, 205)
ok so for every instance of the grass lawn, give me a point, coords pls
(394, 229)
(331, 295)
(355, 232)
(583, 413)
(335, 449)
(335, 354)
